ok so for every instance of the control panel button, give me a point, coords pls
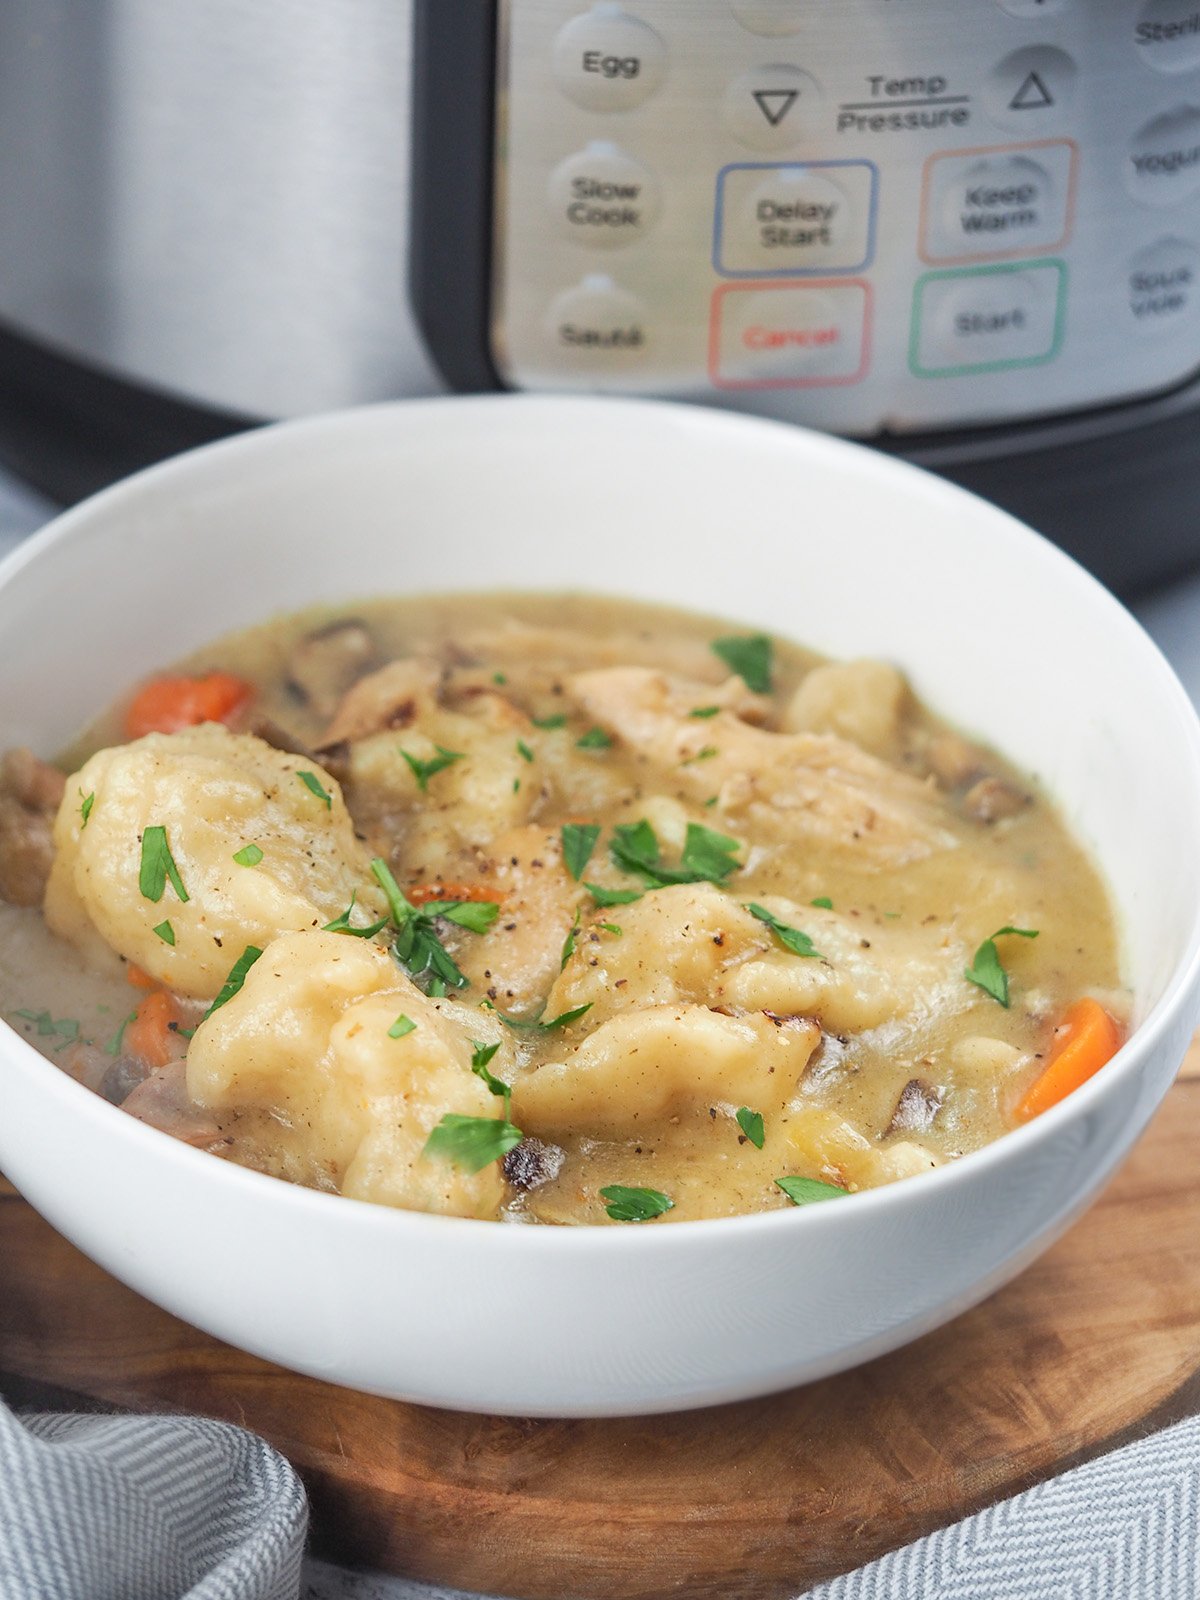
(1164, 164)
(772, 18)
(982, 203)
(773, 221)
(606, 60)
(1032, 8)
(603, 197)
(1031, 88)
(981, 319)
(1164, 279)
(1167, 34)
(598, 322)
(772, 107)
(788, 336)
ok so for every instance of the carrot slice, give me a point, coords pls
(1086, 1038)
(150, 1036)
(165, 705)
(137, 978)
(424, 892)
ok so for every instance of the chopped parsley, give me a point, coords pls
(314, 785)
(476, 916)
(422, 771)
(85, 809)
(578, 842)
(158, 865)
(825, 903)
(611, 927)
(416, 945)
(480, 1059)
(749, 657)
(236, 978)
(472, 1143)
(704, 711)
(342, 924)
(401, 1027)
(612, 897)
(710, 802)
(536, 1024)
(166, 933)
(248, 856)
(634, 1205)
(113, 1047)
(498, 677)
(791, 938)
(803, 1191)
(568, 949)
(523, 750)
(751, 1124)
(985, 970)
(594, 739)
(64, 1028)
(559, 721)
(707, 857)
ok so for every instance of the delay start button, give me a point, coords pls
(788, 336)
(606, 60)
(601, 196)
(1163, 283)
(776, 220)
(982, 319)
(598, 323)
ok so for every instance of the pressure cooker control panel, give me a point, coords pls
(865, 214)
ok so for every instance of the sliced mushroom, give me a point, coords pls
(326, 663)
(533, 1163)
(393, 697)
(918, 1105)
(993, 798)
(31, 792)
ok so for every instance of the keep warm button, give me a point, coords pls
(788, 336)
(983, 319)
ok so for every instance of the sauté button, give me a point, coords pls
(772, 107)
(1164, 164)
(772, 18)
(1031, 88)
(606, 60)
(788, 337)
(1167, 34)
(997, 204)
(601, 196)
(1163, 283)
(598, 322)
(778, 220)
(985, 318)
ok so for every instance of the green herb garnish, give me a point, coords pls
(476, 916)
(594, 739)
(612, 897)
(559, 721)
(708, 857)
(498, 677)
(422, 771)
(751, 1124)
(403, 1025)
(342, 924)
(578, 842)
(749, 657)
(985, 970)
(472, 1143)
(568, 949)
(113, 1047)
(634, 1205)
(611, 927)
(825, 903)
(64, 1028)
(166, 933)
(791, 938)
(158, 864)
(704, 711)
(523, 750)
(313, 784)
(803, 1191)
(85, 810)
(248, 856)
(236, 978)
(537, 1025)
(480, 1058)
(416, 945)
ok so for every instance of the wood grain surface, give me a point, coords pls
(1098, 1340)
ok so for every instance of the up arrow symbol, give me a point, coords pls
(776, 103)
(1033, 95)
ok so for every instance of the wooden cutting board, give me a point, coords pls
(1097, 1341)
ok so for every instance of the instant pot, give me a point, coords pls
(963, 230)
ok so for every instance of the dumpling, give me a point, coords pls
(214, 793)
(308, 1038)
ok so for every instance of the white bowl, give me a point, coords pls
(768, 525)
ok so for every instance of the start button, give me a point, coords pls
(983, 319)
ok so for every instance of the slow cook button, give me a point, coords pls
(598, 322)
(1164, 164)
(606, 60)
(601, 196)
(790, 219)
(997, 204)
(1163, 279)
(788, 336)
(1167, 34)
(986, 318)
